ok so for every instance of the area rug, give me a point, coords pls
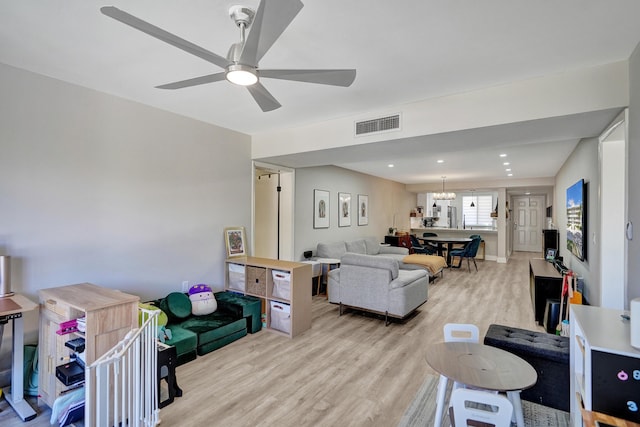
(423, 407)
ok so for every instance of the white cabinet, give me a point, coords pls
(605, 368)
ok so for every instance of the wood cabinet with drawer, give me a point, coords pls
(109, 315)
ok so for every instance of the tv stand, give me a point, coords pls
(545, 282)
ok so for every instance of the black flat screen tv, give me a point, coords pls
(576, 219)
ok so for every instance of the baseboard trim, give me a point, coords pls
(502, 260)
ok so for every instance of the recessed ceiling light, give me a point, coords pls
(506, 163)
(507, 170)
(509, 174)
(440, 161)
(391, 165)
(527, 193)
(503, 155)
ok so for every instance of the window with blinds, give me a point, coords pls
(480, 213)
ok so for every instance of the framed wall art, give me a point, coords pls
(320, 209)
(235, 241)
(344, 209)
(363, 209)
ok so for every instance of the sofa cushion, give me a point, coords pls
(373, 246)
(372, 261)
(331, 250)
(213, 327)
(406, 277)
(357, 247)
(185, 342)
(244, 306)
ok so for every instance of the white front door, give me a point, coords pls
(527, 222)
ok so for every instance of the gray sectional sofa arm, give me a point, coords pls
(377, 284)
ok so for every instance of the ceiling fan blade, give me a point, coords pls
(210, 78)
(271, 19)
(160, 34)
(265, 100)
(325, 77)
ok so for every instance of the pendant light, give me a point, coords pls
(473, 205)
(444, 195)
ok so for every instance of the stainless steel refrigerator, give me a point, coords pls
(452, 217)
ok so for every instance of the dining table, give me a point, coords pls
(482, 367)
(440, 242)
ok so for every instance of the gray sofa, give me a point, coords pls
(377, 284)
(367, 246)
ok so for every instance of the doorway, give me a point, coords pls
(527, 223)
(612, 149)
(273, 211)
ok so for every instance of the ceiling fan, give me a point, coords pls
(240, 66)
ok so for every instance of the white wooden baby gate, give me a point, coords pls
(122, 385)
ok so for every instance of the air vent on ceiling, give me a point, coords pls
(382, 124)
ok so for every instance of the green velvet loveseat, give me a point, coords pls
(198, 335)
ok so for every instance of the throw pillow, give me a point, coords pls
(177, 305)
(202, 300)
(373, 246)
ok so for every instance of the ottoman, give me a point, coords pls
(549, 356)
(185, 343)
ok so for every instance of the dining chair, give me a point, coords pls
(430, 245)
(418, 248)
(461, 332)
(475, 407)
(469, 252)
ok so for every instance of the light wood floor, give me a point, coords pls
(345, 371)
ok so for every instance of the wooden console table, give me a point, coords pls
(403, 241)
(545, 282)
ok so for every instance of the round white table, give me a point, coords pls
(329, 262)
(483, 367)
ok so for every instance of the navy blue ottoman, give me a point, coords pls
(549, 356)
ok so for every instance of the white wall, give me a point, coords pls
(612, 205)
(582, 164)
(95, 188)
(569, 92)
(386, 199)
(633, 199)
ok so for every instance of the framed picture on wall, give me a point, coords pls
(344, 209)
(320, 209)
(363, 209)
(235, 241)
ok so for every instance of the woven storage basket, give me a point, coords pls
(257, 281)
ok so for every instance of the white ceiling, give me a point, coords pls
(403, 51)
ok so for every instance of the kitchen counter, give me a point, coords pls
(419, 231)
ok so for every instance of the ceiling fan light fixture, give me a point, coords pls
(241, 75)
